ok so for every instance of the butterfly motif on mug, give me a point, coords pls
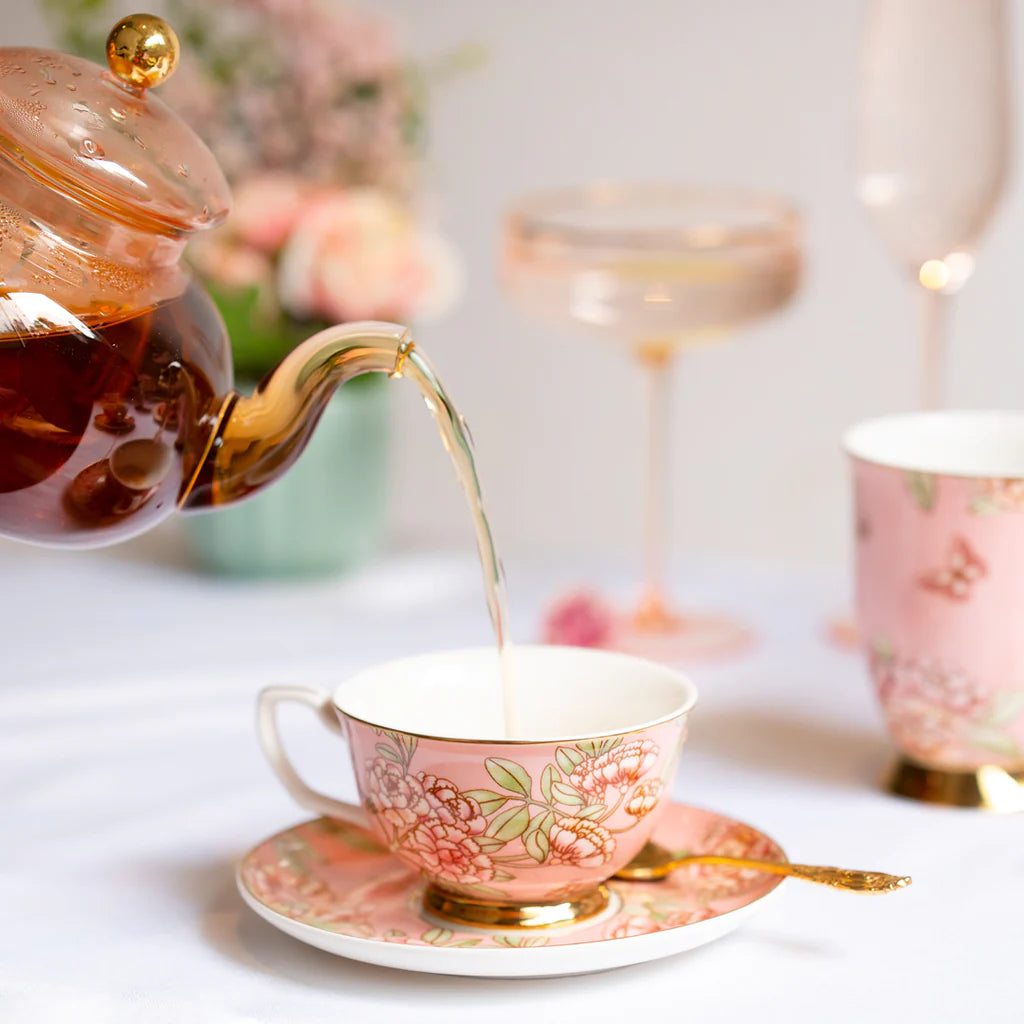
(963, 568)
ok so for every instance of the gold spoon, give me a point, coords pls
(654, 863)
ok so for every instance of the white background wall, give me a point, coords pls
(736, 91)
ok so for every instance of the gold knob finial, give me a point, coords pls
(142, 50)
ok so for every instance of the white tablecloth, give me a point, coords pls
(130, 784)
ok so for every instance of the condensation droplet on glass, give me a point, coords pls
(81, 108)
(34, 90)
(183, 170)
(77, 74)
(117, 114)
(71, 87)
(88, 148)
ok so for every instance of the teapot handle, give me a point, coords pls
(270, 742)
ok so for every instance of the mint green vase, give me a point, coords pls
(326, 514)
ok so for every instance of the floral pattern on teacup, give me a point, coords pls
(997, 495)
(938, 714)
(963, 568)
(474, 840)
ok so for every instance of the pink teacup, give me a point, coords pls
(506, 831)
(939, 499)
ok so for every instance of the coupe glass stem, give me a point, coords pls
(653, 612)
(932, 323)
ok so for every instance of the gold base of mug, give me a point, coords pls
(464, 910)
(989, 787)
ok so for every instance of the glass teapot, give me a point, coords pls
(116, 400)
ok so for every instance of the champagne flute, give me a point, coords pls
(657, 268)
(932, 157)
(933, 140)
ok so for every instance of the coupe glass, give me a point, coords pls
(656, 268)
(933, 140)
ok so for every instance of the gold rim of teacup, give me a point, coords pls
(478, 913)
(506, 742)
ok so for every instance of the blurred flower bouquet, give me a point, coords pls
(317, 121)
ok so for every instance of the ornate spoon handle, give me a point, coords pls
(838, 878)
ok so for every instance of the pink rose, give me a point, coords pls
(448, 853)
(356, 255)
(580, 842)
(266, 209)
(619, 768)
(579, 620)
(398, 798)
(451, 807)
(231, 264)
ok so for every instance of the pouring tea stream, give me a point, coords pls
(116, 399)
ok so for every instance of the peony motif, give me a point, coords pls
(448, 853)
(398, 798)
(920, 726)
(644, 798)
(357, 254)
(618, 769)
(902, 679)
(999, 495)
(451, 807)
(580, 843)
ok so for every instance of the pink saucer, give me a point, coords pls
(332, 886)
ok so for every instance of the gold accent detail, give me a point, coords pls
(989, 787)
(143, 50)
(406, 346)
(654, 863)
(465, 910)
(503, 741)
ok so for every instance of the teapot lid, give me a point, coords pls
(98, 136)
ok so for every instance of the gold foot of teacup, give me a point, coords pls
(463, 910)
(989, 787)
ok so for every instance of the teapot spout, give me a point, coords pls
(258, 438)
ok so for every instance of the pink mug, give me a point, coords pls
(516, 831)
(939, 504)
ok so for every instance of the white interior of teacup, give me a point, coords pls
(950, 443)
(562, 693)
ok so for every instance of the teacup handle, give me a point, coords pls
(273, 749)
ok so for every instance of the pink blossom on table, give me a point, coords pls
(447, 853)
(579, 619)
(644, 798)
(266, 209)
(356, 254)
(451, 807)
(579, 842)
(397, 797)
(618, 769)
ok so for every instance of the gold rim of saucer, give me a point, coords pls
(989, 787)
(466, 911)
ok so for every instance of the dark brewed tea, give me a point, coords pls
(95, 416)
